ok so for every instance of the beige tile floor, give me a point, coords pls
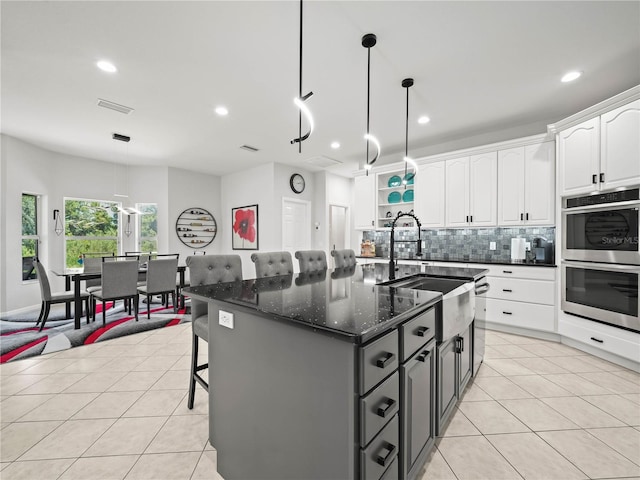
(117, 410)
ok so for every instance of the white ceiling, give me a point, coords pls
(484, 71)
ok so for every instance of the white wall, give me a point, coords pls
(26, 168)
(188, 190)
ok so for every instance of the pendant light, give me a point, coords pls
(299, 101)
(58, 222)
(368, 41)
(408, 177)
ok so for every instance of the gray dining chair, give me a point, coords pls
(270, 264)
(161, 280)
(311, 260)
(119, 282)
(205, 270)
(49, 298)
(343, 258)
(92, 263)
(186, 283)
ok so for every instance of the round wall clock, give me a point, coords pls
(196, 227)
(297, 183)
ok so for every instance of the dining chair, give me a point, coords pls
(92, 263)
(205, 270)
(161, 280)
(311, 260)
(343, 258)
(186, 283)
(119, 282)
(49, 298)
(270, 264)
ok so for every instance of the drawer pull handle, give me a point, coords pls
(507, 290)
(386, 407)
(597, 340)
(459, 344)
(594, 178)
(602, 178)
(507, 313)
(423, 356)
(421, 331)
(507, 271)
(386, 459)
(386, 360)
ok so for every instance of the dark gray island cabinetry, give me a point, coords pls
(324, 376)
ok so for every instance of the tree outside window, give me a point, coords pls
(148, 227)
(91, 226)
(30, 237)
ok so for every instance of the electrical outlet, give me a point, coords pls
(225, 319)
(492, 245)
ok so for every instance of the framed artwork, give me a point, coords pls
(245, 228)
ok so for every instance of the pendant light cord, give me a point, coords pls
(300, 85)
(368, 97)
(406, 137)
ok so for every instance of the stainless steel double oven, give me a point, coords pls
(601, 257)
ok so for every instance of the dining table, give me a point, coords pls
(75, 276)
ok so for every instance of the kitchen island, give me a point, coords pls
(321, 376)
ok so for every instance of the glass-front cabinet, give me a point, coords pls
(394, 194)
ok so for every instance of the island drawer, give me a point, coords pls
(378, 360)
(378, 407)
(392, 473)
(416, 332)
(381, 452)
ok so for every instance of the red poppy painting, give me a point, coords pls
(245, 227)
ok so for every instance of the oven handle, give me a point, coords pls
(602, 206)
(602, 266)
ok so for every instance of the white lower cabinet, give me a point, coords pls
(522, 297)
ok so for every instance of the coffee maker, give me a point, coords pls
(543, 250)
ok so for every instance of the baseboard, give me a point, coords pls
(19, 310)
(499, 327)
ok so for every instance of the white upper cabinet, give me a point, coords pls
(483, 183)
(457, 192)
(602, 153)
(471, 191)
(511, 186)
(620, 146)
(526, 185)
(364, 212)
(579, 150)
(430, 196)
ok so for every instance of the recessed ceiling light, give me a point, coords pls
(335, 145)
(222, 111)
(570, 77)
(106, 66)
(423, 119)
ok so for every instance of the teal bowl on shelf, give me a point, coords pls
(408, 178)
(394, 197)
(395, 181)
(407, 196)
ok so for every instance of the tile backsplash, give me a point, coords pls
(460, 244)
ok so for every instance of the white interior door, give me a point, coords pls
(296, 225)
(338, 228)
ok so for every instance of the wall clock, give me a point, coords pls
(297, 183)
(196, 227)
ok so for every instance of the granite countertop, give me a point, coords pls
(344, 302)
(470, 259)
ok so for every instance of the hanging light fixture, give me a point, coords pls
(408, 177)
(58, 223)
(300, 99)
(368, 41)
(127, 228)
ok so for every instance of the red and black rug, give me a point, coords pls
(20, 338)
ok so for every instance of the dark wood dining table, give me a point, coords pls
(76, 276)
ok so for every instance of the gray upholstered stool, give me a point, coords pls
(271, 264)
(311, 260)
(343, 258)
(205, 270)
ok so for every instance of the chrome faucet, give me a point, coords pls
(392, 263)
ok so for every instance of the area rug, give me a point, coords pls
(20, 338)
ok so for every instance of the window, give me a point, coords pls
(30, 238)
(91, 226)
(148, 227)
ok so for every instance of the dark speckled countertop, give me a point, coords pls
(344, 302)
(469, 259)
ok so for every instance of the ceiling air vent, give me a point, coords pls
(323, 162)
(122, 138)
(249, 148)
(114, 106)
